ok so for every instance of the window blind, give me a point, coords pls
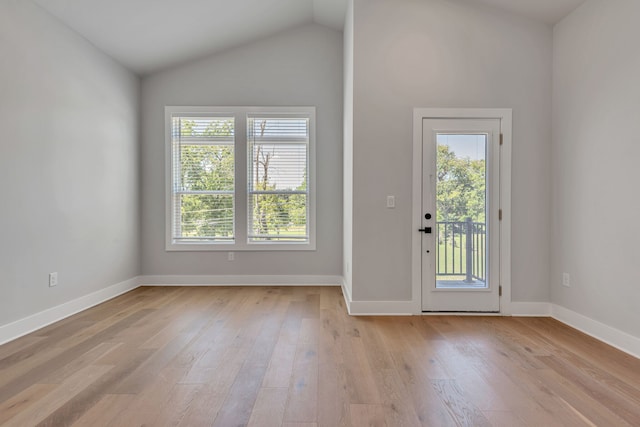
(278, 191)
(203, 183)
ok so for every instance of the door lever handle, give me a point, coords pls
(426, 230)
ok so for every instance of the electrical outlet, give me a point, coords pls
(391, 201)
(231, 256)
(53, 279)
(566, 280)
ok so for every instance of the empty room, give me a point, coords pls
(319, 213)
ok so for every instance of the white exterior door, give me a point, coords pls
(460, 224)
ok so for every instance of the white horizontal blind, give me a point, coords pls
(278, 187)
(202, 179)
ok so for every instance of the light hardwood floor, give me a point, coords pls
(276, 356)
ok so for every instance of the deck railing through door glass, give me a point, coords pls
(461, 251)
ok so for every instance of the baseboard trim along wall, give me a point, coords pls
(406, 308)
(347, 295)
(528, 309)
(376, 308)
(14, 330)
(240, 280)
(605, 333)
(381, 308)
(11, 331)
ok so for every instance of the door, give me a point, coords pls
(460, 215)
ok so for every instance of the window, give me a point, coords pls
(278, 189)
(240, 178)
(202, 178)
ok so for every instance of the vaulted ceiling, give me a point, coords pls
(149, 35)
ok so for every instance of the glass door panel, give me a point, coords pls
(461, 210)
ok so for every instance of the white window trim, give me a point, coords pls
(241, 242)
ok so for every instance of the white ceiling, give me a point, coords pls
(148, 35)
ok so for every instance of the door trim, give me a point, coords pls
(505, 117)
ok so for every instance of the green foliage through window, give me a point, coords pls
(204, 191)
(461, 187)
(278, 179)
(204, 159)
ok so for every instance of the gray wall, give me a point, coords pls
(68, 164)
(298, 67)
(596, 149)
(435, 53)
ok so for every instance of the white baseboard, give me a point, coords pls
(22, 327)
(605, 333)
(381, 308)
(528, 309)
(612, 336)
(376, 308)
(240, 280)
(346, 293)
(407, 308)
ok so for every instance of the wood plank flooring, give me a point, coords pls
(291, 356)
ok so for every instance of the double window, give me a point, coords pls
(240, 178)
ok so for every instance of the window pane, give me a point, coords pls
(461, 204)
(282, 129)
(203, 128)
(206, 168)
(278, 217)
(277, 181)
(203, 162)
(205, 217)
(278, 167)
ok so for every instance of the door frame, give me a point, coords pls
(504, 193)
